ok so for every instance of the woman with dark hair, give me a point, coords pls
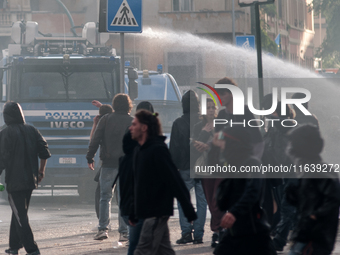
(202, 137)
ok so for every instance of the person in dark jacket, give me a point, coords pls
(275, 155)
(109, 135)
(202, 138)
(20, 147)
(180, 152)
(316, 195)
(227, 113)
(157, 182)
(247, 231)
(126, 181)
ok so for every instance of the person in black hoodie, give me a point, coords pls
(180, 152)
(20, 147)
(316, 195)
(126, 182)
(247, 231)
(157, 182)
(275, 155)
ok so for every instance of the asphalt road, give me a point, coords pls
(65, 225)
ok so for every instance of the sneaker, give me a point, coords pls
(101, 235)
(214, 240)
(127, 243)
(12, 251)
(123, 237)
(186, 238)
(198, 241)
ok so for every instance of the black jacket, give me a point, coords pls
(301, 118)
(20, 147)
(275, 145)
(109, 135)
(255, 133)
(319, 197)
(243, 199)
(158, 182)
(180, 140)
(126, 179)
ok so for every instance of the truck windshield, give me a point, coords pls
(36, 86)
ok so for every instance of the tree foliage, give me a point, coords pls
(330, 47)
(266, 42)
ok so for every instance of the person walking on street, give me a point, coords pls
(126, 179)
(247, 230)
(109, 134)
(316, 195)
(20, 147)
(157, 182)
(275, 155)
(202, 138)
(103, 109)
(180, 152)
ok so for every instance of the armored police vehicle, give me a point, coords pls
(56, 78)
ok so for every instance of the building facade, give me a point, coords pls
(167, 26)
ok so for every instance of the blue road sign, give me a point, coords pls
(124, 16)
(246, 42)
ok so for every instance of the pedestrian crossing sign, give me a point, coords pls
(124, 16)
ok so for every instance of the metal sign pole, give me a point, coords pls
(233, 21)
(122, 63)
(256, 3)
(259, 52)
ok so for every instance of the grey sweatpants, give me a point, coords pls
(155, 238)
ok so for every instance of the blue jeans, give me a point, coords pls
(201, 206)
(308, 248)
(134, 233)
(107, 176)
(288, 216)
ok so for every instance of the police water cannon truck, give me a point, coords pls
(55, 79)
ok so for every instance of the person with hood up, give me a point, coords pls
(180, 152)
(275, 155)
(109, 135)
(316, 194)
(247, 230)
(20, 147)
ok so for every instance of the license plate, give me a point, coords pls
(67, 161)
